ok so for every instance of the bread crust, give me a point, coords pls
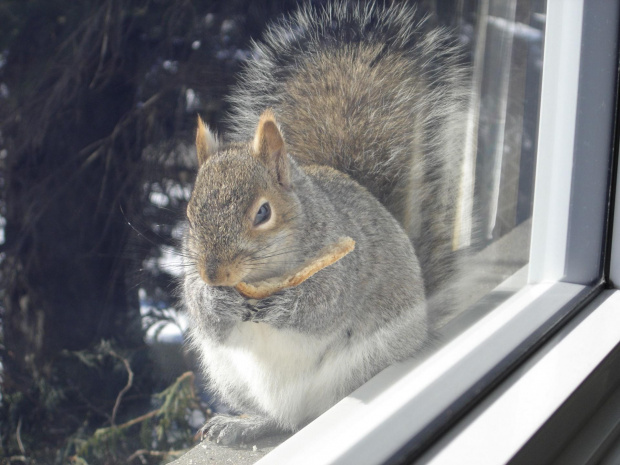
(327, 256)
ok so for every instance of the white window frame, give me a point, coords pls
(483, 395)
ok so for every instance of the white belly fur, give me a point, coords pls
(286, 374)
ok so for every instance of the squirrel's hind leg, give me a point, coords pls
(228, 430)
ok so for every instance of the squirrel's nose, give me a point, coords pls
(214, 273)
(211, 272)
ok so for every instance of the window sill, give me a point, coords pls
(411, 399)
(504, 422)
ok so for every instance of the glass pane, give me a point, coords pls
(97, 164)
(506, 52)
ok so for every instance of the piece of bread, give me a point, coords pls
(327, 256)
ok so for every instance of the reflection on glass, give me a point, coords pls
(506, 53)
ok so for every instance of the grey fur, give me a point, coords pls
(390, 110)
(362, 90)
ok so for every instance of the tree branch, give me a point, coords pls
(125, 389)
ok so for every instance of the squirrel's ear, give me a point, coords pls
(269, 147)
(206, 142)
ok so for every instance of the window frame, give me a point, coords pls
(399, 414)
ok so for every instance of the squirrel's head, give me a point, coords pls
(243, 207)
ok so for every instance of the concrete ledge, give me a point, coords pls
(210, 453)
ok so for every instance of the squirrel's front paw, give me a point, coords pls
(274, 310)
(227, 303)
(228, 430)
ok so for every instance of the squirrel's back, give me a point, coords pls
(374, 92)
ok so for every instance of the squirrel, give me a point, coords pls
(349, 122)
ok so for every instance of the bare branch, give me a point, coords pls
(125, 389)
(19, 437)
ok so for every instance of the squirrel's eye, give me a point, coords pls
(263, 215)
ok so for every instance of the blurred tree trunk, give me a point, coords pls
(71, 175)
(65, 235)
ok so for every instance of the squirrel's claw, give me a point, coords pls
(228, 430)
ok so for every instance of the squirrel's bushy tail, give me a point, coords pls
(374, 92)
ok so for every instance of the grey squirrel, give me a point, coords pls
(349, 122)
